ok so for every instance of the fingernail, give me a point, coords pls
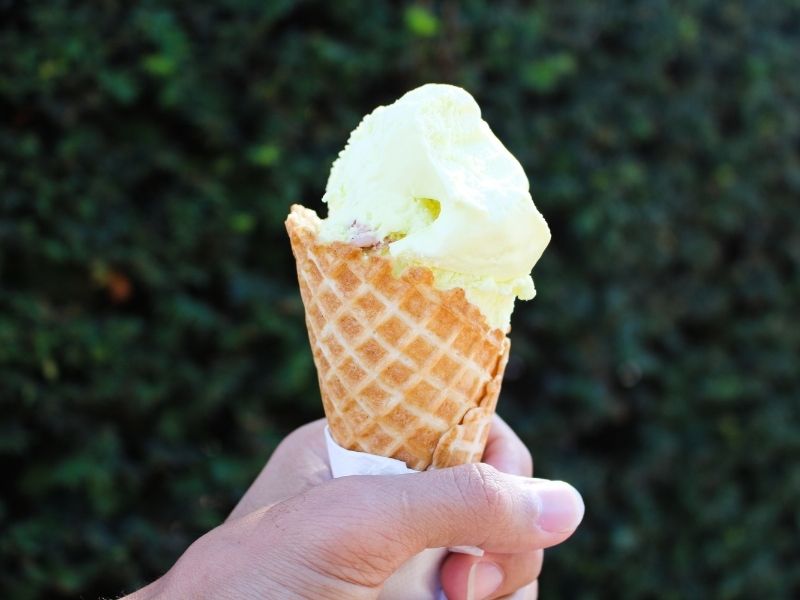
(484, 578)
(560, 507)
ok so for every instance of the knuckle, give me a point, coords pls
(482, 488)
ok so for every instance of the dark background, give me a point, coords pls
(152, 345)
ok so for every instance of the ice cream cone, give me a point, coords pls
(405, 370)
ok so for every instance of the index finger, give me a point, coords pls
(506, 452)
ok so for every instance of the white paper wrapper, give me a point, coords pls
(418, 578)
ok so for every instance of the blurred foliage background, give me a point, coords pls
(152, 345)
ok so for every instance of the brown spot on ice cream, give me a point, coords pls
(364, 240)
(362, 236)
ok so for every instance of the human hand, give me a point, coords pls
(301, 462)
(297, 534)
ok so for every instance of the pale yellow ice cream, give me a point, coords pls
(428, 179)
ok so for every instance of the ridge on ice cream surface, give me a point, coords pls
(426, 179)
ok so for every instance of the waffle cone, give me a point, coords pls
(405, 370)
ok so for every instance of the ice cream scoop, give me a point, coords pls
(427, 182)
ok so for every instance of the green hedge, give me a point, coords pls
(152, 346)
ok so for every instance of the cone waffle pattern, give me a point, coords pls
(405, 370)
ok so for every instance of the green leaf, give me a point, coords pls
(243, 222)
(121, 86)
(159, 65)
(264, 155)
(545, 74)
(421, 22)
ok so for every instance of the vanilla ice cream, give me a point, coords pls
(425, 181)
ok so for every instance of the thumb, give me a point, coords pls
(361, 529)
